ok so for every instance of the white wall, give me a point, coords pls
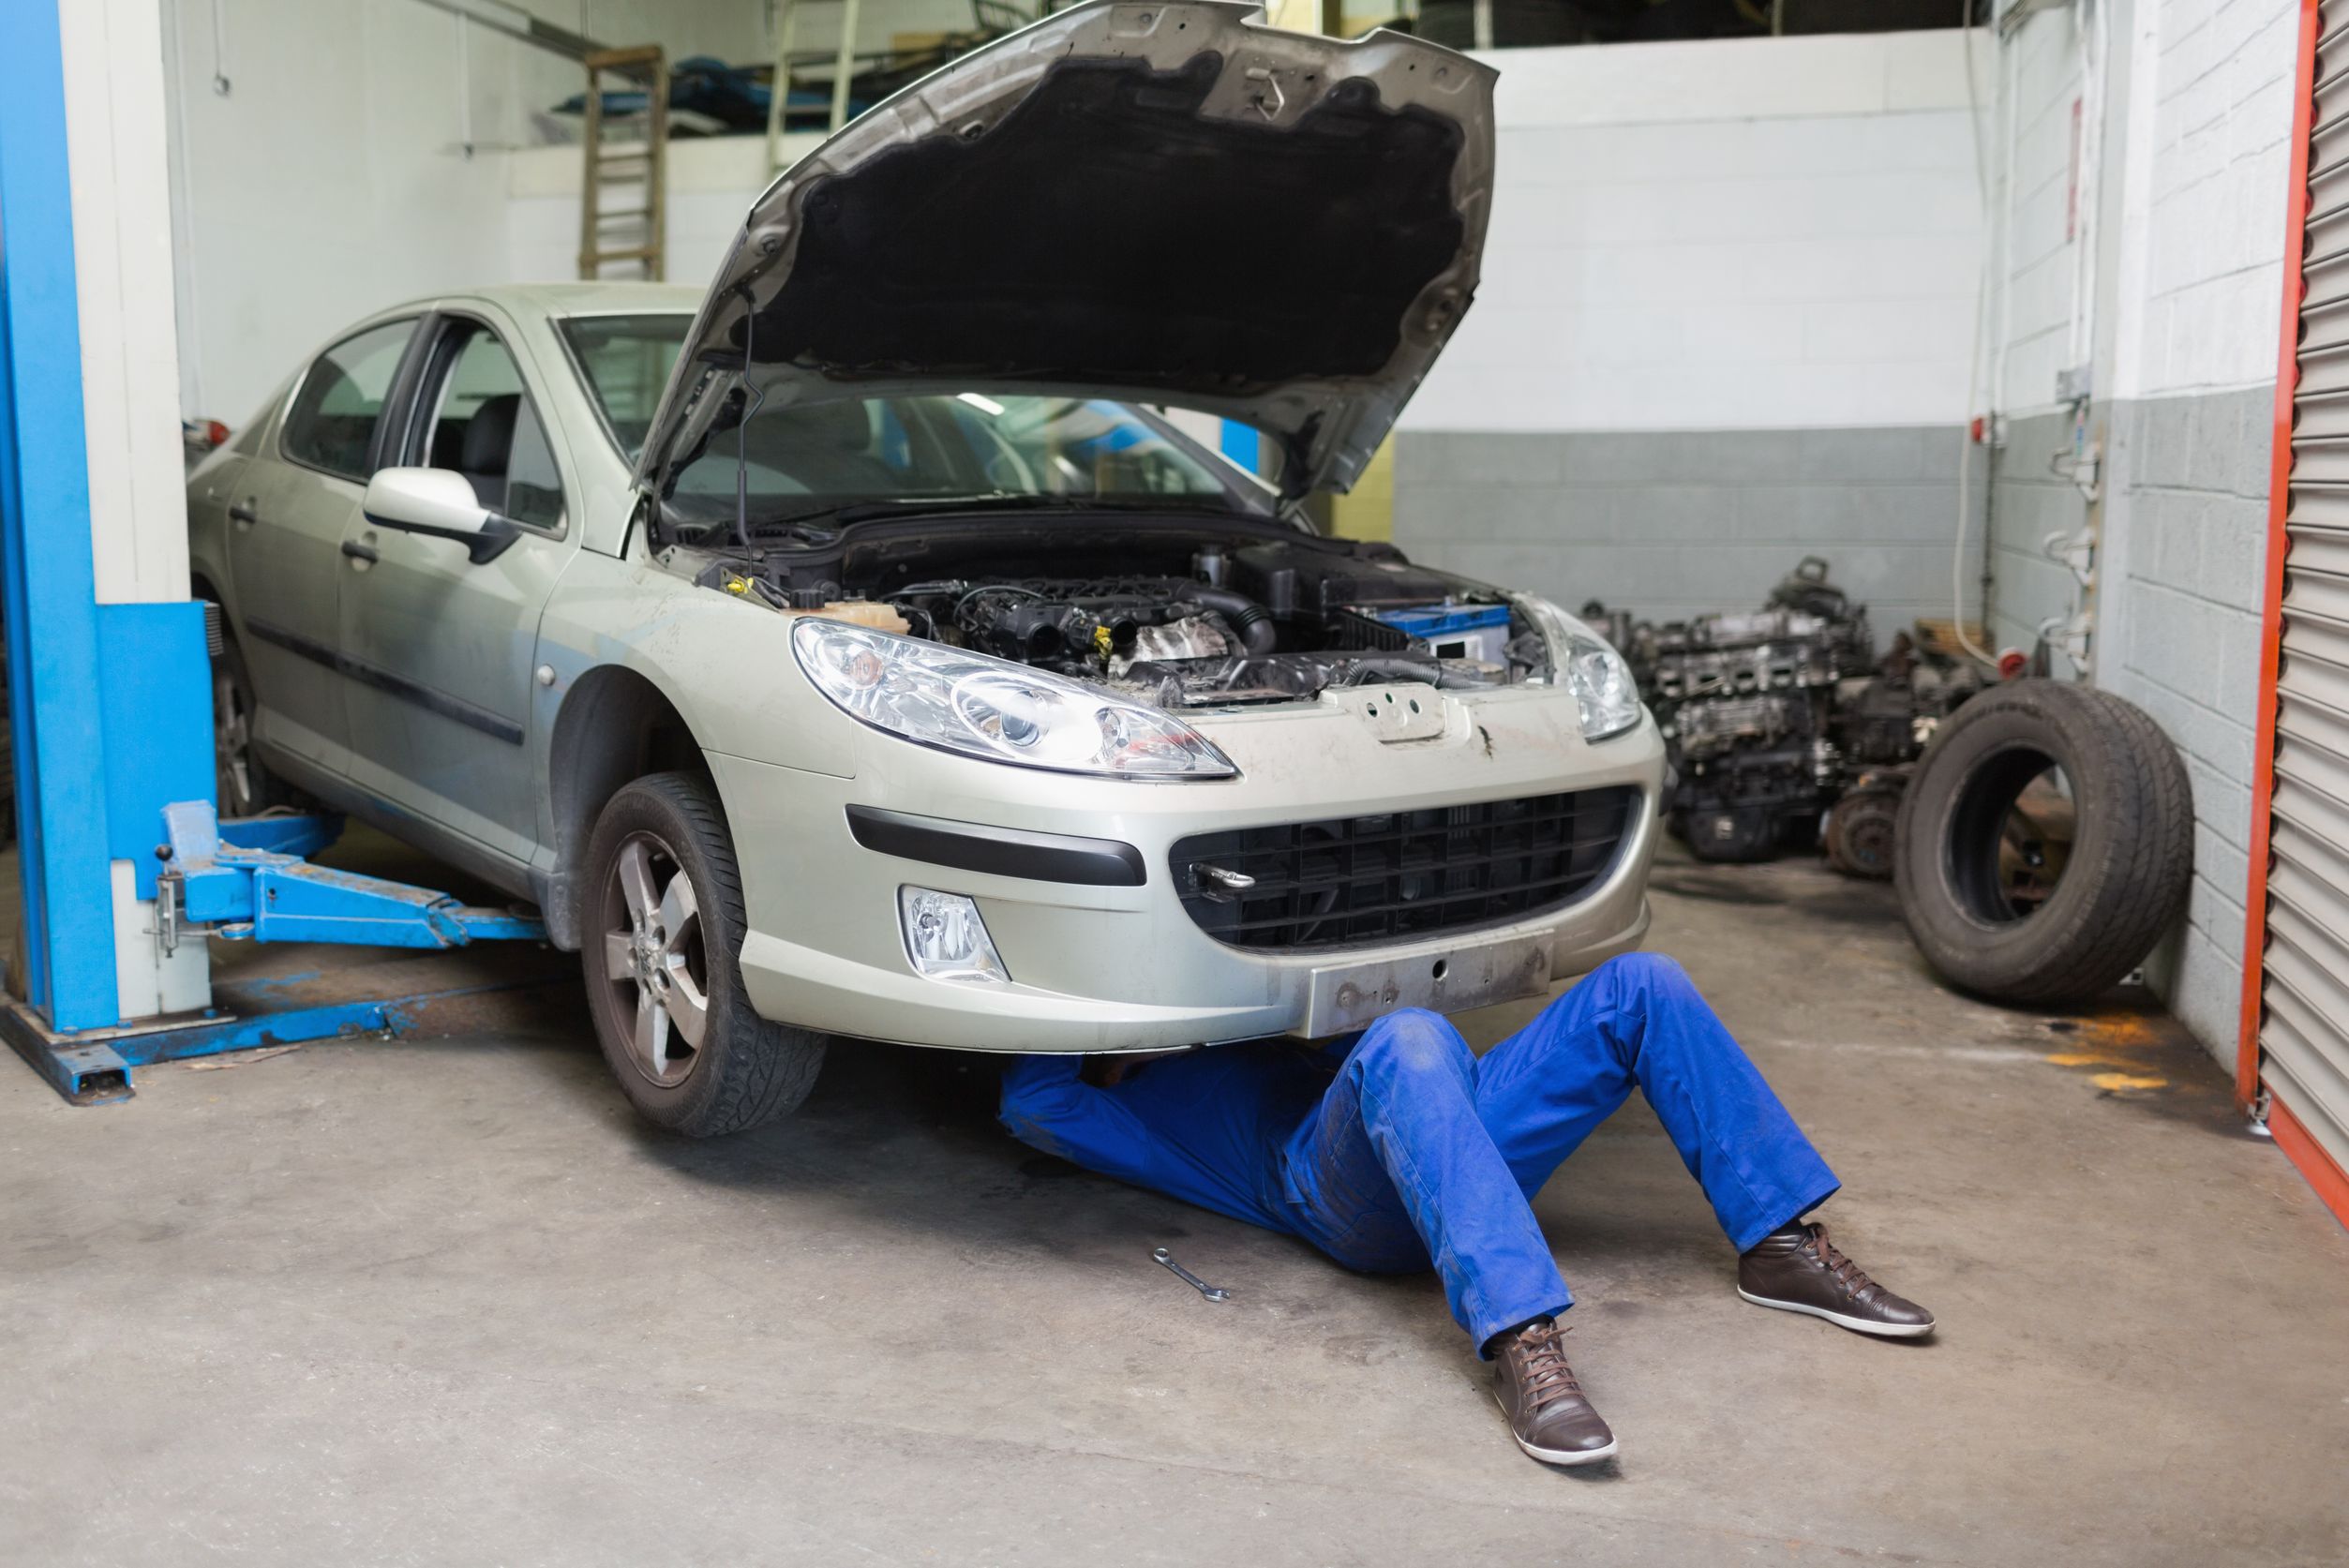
(2197, 158)
(1763, 233)
(2221, 108)
(331, 179)
(2039, 229)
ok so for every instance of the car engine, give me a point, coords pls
(1745, 702)
(1184, 643)
(1233, 624)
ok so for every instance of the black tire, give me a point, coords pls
(2131, 854)
(241, 782)
(744, 1070)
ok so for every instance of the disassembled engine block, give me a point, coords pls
(1781, 724)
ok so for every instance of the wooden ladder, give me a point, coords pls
(627, 164)
(779, 92)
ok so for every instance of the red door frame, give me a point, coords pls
(2328, 1180)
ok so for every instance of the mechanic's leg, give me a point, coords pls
(1639, 1020)
(1396, 1169)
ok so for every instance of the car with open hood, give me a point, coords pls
(881, 644)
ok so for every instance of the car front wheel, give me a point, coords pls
(664, 923)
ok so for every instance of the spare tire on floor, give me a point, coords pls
(2044, 845)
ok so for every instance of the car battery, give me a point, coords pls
(1453, 630)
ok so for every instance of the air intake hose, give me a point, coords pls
(1250, 619)
(1365, 670)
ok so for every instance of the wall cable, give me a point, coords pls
(1967, 29)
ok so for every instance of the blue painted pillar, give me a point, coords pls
(1243, 445)
(45, 554)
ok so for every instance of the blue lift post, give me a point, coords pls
(110, 704)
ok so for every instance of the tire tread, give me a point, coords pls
(764, 1069)
(2137, 884)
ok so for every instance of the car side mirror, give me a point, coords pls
(440, 503)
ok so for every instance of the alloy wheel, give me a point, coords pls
(656, 960)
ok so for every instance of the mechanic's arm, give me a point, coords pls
(1047, 1105)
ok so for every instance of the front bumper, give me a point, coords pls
(1101, 967)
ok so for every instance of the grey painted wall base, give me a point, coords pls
(1672, 524)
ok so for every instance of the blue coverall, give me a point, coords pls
(1399, 1147)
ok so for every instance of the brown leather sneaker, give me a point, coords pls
(1801, 1271)
(1548, 1414)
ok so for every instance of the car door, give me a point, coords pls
(441, 648)
(288, 513)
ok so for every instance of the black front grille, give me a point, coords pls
(1400, 874)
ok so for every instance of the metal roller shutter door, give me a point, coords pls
(2303, 1016)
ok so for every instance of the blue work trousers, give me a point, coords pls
(1406, 1149)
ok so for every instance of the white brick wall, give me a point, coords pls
(2220, 117)
(2201, 153)
(2036, 255)
(1747, 235)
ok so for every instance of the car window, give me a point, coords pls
(904, 447)
(485, 427)
(625, 362)
(332, 419)
(934, 444)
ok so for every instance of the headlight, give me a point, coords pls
(1579, 658)
(990, 707)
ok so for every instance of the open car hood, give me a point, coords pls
(1164, 205)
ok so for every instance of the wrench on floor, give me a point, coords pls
(1213, 1293)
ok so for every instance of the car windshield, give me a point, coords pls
(902, 448)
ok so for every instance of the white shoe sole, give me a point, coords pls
(1562, 1455)
(1857, 1325)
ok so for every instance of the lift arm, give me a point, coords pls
(251, 884)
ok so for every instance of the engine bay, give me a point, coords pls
(1175, 622)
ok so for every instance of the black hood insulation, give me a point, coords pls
(1105, 230)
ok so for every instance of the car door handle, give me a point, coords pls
(242, 513)
(357, 551)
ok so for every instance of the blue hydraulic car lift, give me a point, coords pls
(110, 704)
(247, 881)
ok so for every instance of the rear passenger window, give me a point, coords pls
(332, 419)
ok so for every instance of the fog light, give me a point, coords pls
(945, 939)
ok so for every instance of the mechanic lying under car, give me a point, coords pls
(1399, 1146)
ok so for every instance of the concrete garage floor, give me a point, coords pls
(445, 1301)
